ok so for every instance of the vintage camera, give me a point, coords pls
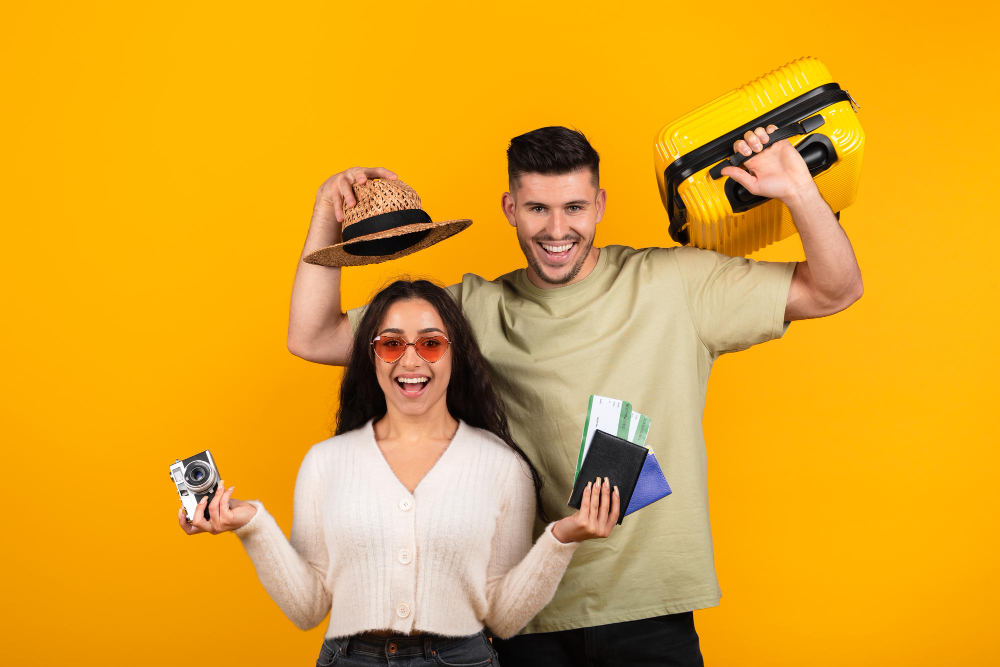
(196, 477)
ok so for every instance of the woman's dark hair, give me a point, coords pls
(551, 151)
(470, 396)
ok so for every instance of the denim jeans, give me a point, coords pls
(369, 650)
(667, 641)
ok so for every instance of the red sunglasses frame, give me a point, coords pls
(415, 347)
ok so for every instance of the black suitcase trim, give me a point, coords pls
(819, 154)
(792, 111)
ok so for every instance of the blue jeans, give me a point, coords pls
(369, 650)
(663, 641)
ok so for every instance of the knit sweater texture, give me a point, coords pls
(446, 559)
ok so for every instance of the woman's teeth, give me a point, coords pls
(412, 386)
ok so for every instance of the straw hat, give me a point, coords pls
(386, 223)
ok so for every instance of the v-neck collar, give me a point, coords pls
(388, 468)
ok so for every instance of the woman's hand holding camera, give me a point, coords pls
(225, 512)
(597, 515)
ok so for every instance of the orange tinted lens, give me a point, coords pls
(389, 348)
(430, 348)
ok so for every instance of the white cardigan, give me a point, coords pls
(446, 559)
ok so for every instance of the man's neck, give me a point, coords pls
(585, 270)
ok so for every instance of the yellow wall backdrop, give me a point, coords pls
(159, 163)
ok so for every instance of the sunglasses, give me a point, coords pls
(429, 348)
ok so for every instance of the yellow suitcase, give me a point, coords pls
(711, 211)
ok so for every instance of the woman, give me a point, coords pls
(412, 525)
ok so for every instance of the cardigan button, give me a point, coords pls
(405, 556)
(405, 504)
(403, 610)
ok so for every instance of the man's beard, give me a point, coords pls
(528, 248)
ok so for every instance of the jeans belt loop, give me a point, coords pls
(343, 647)
(427, 648)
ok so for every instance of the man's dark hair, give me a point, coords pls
(550, 150)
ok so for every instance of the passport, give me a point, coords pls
(652, 485)
(617, 459)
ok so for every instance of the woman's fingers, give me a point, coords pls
(595, 506)
(199, 521)
(584, 510)
(213, 506)
(185, 526)
(599, 509)
(602, 517)
(225, 511)
(612, 519)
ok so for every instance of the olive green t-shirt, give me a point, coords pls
(645, 326)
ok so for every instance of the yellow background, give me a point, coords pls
(159, 163)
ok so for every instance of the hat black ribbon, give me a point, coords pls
(384, 222)
(381, 223)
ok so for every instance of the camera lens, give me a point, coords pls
(200, 476)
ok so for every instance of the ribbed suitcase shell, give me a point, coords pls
(700, 212)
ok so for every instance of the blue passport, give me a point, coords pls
(651, 486)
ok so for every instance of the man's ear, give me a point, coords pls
(507, 203)
(602, 200)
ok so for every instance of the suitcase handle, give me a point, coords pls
(816, 150)
(802, 127)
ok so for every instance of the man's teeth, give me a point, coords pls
(412, 380)
(557, 248)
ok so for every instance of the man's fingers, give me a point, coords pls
(380, 172)
(336, 197)
(762, 135)
(752, 140)
(346, 194)
(742, 177)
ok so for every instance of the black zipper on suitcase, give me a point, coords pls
(794, 110)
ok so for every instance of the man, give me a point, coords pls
(641, 325)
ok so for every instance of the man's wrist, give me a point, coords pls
(323, 232)
(802, 197)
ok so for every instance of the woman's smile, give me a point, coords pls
(412, 384)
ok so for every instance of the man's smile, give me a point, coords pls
(557, 253)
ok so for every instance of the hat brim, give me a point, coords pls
(337, 255)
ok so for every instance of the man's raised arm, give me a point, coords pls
(829, 280)
(318, 329)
